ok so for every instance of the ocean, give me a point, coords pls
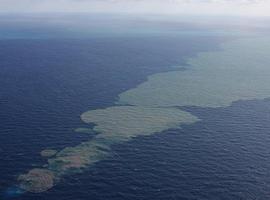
(47, 83)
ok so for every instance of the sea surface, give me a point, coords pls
(48, 82)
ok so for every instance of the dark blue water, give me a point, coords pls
(46, 85)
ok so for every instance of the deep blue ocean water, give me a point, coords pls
(47, 83)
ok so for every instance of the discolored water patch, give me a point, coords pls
(121, 123)
(37, 180)
(214, 79)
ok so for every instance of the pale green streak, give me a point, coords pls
(214, 79)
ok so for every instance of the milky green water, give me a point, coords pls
(214, 79)
(240, 71)
(121, 123)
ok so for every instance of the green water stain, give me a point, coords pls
(240, 71)
(121, 123)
